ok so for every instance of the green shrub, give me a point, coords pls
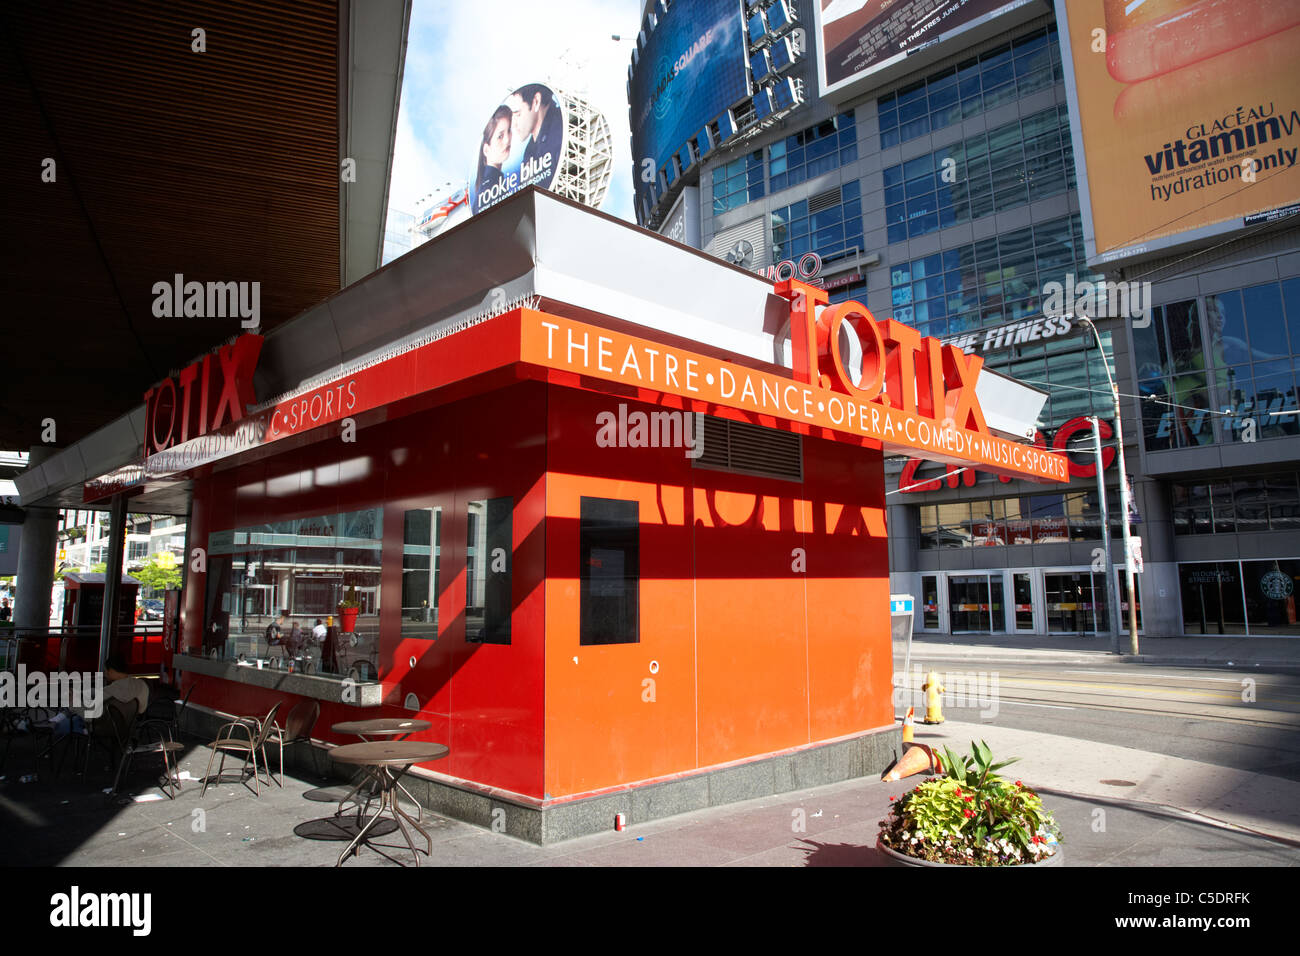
(971, 816)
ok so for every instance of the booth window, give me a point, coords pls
(489, 534)
(293, 573)
(610, 571)
(421, 541)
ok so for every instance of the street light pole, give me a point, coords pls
(1112, 590)
(1123, 490)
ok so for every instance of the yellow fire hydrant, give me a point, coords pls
(933, 705)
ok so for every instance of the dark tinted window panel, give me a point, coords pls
(421, 539)
(609, 541)
(488, 560)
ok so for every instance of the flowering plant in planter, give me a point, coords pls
(971, 816)
(348, 605)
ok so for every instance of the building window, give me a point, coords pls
(856, 290)
(1240, 597)
(830, 226)
(489, 551)
(1012, 70)
(609, 543)
(1257, 503)
(813, 151)
(1006, 167)
(303, 569)
(738, 182)
(421, 553)
(1229, 378)
(988, 283)
(1031, 519)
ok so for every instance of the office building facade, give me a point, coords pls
(944, 191)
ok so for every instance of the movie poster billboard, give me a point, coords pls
(1184, 118)
(522, 145)
(859, 38)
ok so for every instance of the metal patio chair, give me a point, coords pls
(297, 728)
(253, 740)
(112, 731)
(173, 719)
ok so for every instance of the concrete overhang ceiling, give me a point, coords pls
(219, 166)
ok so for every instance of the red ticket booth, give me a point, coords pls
(621, 554)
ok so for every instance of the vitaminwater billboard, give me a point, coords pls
(1185, 116)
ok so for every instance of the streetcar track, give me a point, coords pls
(1227, 718)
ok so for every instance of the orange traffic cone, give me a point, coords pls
(917, 759)
(907, 725)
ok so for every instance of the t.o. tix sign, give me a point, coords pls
(914, 395)
(908, 483)
(206, 396)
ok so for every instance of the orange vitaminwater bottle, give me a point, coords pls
(1147, 38)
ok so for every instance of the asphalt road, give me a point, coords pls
(1221, 717)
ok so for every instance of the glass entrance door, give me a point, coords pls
(975, 603)
(1024, 600)
(930, 602)
(1074, 605)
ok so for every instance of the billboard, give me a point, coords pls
(1184, 118)
(690, 69)
(859, 38)
(522, 145)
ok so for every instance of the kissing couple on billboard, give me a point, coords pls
(521, 145)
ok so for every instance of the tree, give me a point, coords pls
(160, 572)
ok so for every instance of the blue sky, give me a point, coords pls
(463, 59)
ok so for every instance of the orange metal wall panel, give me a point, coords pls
(745, 667)
(750, 617)
(849, 650)
(601, 729)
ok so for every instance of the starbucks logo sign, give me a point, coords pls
(1276, 585)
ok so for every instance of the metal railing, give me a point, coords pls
(46, 649)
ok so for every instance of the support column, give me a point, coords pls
(112, 577)
(36, 554)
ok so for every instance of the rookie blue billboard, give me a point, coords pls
(522, 145)
(691, 69)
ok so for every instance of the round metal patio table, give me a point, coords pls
(398, 727)
(386, 761)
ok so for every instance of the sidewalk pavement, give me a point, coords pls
(1266, 653)
(1175, 813)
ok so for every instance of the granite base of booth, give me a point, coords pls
(866, 755)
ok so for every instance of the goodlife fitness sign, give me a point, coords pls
(915, 395)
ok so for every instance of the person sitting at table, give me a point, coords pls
(122, 686)
(275, 636)
(293, 643)
(118, 685)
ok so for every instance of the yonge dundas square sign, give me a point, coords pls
(914, 394)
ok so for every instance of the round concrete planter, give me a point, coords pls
(902, 859)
